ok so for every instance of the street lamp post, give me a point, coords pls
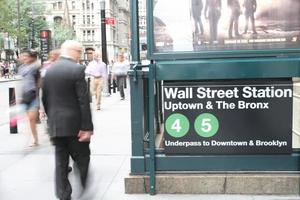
(31, 44)
(32, 34)
(103, 32)
(103, 41)
(19, 26)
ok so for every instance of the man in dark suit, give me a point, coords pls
(66, 103)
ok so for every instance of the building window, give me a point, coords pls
(84, 36)
(88, 4)
(83, 19)
(54, 6)
(73, 5)
(115, 36)
(93, 19)
(88, 19)
(59, 5)
(92, 5)
(73, 19)
(93, 35)
(57, 19)
(89, 35)
(83, 6)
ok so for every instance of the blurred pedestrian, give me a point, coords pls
(12, 69)
(119, 73)
(6, 70)
(1, 69)
(98, 72)
(112, 84)
(66, 102)
(52, 57)
(29, 70)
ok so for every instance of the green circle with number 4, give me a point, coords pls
(206, 125)
(177, 125)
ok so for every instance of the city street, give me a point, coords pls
(28, 173)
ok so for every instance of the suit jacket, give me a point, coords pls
(65, 99)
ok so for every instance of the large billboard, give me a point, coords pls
(217, 25)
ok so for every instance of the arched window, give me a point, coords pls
(57, 19)
(88, 4)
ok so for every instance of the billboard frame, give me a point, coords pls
(181, 55)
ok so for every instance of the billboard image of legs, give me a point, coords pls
(214, 25)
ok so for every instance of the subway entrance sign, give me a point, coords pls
(235, 117)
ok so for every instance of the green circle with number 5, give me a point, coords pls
(177, 125)
(206, 125)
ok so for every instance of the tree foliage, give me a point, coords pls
(31, 18)
(61, 32)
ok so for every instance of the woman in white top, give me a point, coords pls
(119, 73)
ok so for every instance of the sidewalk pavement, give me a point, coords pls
(28, 173)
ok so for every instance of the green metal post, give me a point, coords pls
(137, 123)
(151, 92)
(150, 37)
(135, 43)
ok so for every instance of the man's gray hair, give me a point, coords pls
(70, 44)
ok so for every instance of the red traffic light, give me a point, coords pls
(45, 34)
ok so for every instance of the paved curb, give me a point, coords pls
(253, 184)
